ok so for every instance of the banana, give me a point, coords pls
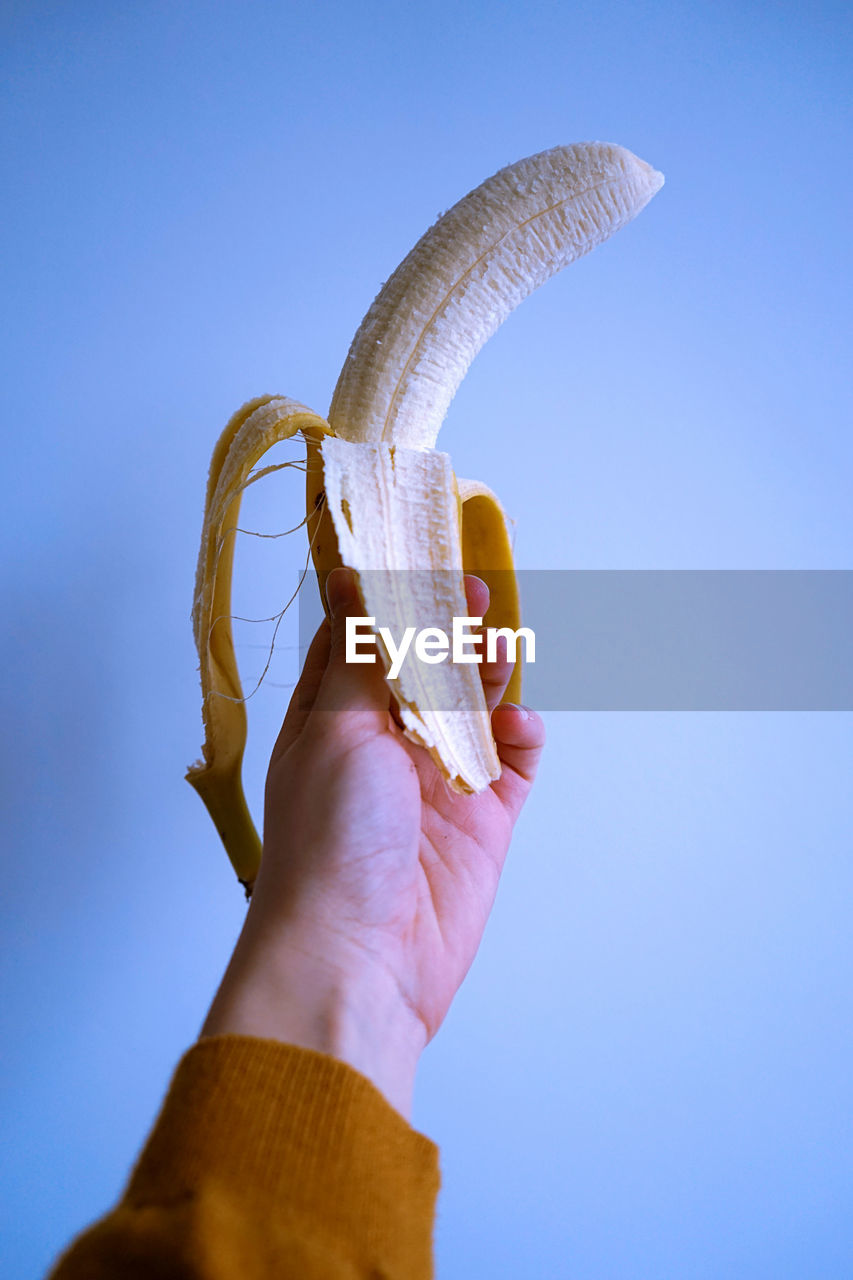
(380, 497)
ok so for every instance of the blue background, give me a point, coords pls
(647, 1072)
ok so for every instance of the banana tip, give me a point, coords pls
(655, 177)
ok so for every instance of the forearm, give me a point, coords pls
(302, 986)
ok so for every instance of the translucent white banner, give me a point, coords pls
(671, 640)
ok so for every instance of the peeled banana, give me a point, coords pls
(380, 497)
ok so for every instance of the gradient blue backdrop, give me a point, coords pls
(647, 1073)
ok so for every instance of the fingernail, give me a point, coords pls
(340, 588)
(470, 579)
(516, 706)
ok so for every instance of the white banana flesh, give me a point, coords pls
(401, 548)
(465, 276)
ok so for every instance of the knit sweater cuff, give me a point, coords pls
(295, 1133)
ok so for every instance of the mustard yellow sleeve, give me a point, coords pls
(268, 1160)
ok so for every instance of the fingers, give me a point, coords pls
(330, 683)
(355, 687)
(519, 732)
(520, 737)
(494, 675)
(305, 692)
(477, 595)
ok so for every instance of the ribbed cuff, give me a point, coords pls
(299, 1135)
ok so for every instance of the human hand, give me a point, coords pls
(376, 880)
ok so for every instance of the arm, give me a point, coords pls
(284, 1141)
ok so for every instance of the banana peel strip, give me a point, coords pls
(487, 551)
(217, 778)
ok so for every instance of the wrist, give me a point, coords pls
(323, 996)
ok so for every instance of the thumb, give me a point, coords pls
(355, 686)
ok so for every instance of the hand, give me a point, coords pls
(376, 880)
